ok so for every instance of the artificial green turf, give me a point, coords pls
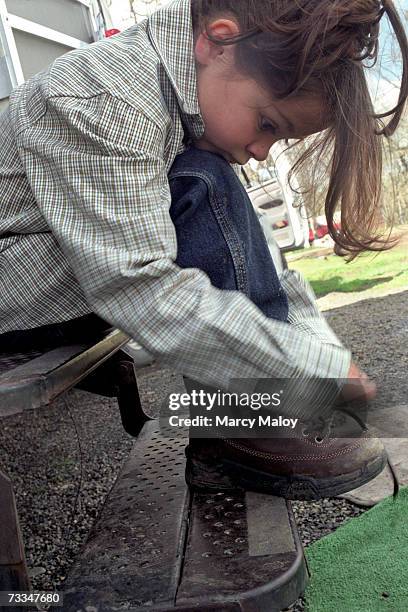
(363, 565)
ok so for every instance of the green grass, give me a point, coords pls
(369, 271)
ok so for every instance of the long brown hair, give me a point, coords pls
(298, 46)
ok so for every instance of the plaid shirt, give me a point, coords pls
(84, 214)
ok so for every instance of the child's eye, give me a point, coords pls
(268, 126)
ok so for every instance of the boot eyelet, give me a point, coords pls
(319, 440)
(304, 432)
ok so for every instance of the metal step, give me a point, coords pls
(156, 547)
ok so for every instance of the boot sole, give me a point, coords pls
(228, 475)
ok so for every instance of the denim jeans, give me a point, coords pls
(217, 231)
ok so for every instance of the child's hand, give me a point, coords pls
(358, 386)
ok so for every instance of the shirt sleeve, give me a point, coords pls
(304, 313)
(97, 170)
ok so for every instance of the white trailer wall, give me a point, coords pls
(33, 33)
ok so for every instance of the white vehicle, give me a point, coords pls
(280, 213)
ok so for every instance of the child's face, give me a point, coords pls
(242, 120)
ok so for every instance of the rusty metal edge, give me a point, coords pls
(39, 388)
(12, 554)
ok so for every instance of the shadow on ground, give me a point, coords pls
(337, 284)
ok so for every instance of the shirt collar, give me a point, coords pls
(171, 33)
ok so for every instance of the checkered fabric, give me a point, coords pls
(84, 214)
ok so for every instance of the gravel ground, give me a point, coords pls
(63, 460)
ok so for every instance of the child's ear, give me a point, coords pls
(205, 49)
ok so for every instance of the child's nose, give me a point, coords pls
(259, 150)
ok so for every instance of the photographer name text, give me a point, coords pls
(225, 421)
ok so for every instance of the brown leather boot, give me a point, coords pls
(307, 466)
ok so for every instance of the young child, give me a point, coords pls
(218, 231)
(87, 146)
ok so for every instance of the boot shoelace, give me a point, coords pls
(323, 427)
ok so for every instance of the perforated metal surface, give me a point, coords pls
(134, 552)
(155, 548)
